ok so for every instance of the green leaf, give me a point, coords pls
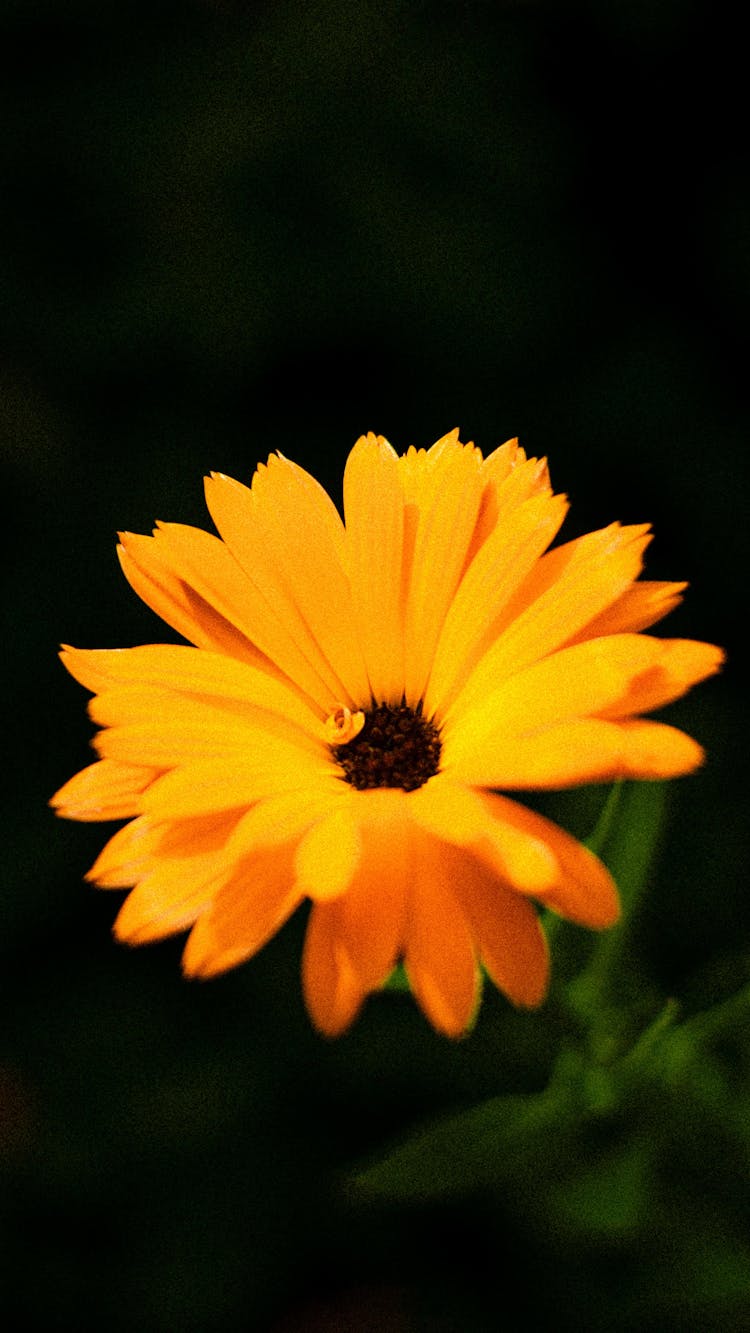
(471, 1149)
(627, 838)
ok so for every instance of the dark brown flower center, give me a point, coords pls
(397, 747)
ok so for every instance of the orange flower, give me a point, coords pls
(355, 697)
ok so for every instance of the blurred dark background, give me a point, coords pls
(227, 229)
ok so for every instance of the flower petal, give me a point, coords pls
(210, 785)
(287, 537)
(125, 858)
(371, 913)
(134, 850)
(582, 750)
(168, 900)
(183, 731)
(195, 610)
(568, 587)
(493, 576)
(439, 953)
(508, 478)
(637, 608)
(582, 889)
(464, 818)
(333, 992)
(374, 510)
(285, 816)
(448, 494)
(681, 664)
(612, 677)
(329, 854)
(192, 672)
(105, 790)
(509, 938)
(244, 914)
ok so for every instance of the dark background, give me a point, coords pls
(228, 229)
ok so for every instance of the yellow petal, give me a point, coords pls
(655, 750)
(374, 510)
(509, 939)
(285, 816)
(105, 790)
(209, 785)
(333, 993)
(612, 676)
(329, 853)
(575, 752)
(153, 726)
(186, 731)
(286, 535)
(568, 587)
(508, 478)
(371, 914)
(260, 612)
(244, 914)
(450, 494)
(637, 608)
(168, 900)
(439, 954)
(192, 672)
(681, 664)
(125, 858)
(458, 815)
(582, 889)
(493, 576)
(170, 590)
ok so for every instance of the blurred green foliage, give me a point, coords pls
(227, 229)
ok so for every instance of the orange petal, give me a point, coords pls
(509, 938)
(286, 815)
(493, 576)
(332, 990)
(568, 587)
(125, 858)
(637, 608)
(449, 491)
(612, 677)
(583, 889)
(171, 593)
(374, 510)
(371, 914)
(439, 953)
(508, 478)
(193, 672)
(579, 751)
(458, 815)
(210, 785)
(681, 664)
(244, 914)
(286, 535)
(168, 900)
(105, 790)
(179, 868)
(448, 810)
(329, 853)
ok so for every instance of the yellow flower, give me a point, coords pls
(356, 697)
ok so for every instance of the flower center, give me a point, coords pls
(395, 747)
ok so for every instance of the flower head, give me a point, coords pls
(356, 698)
